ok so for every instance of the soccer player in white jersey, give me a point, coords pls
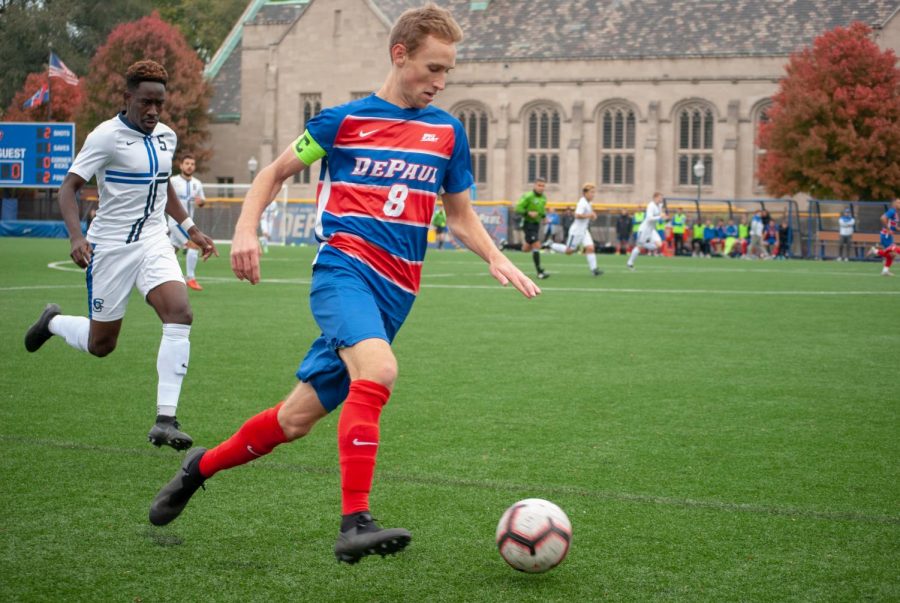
(126, 246)
(579, 232)
(190, 191)
(267, 225)
(647, 237)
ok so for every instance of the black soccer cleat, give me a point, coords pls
(365, 537)
(174, 496)
(596, 272)
(543, 275)
(39, 332)
(167, 431)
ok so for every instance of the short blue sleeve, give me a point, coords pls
(458, 176)
(324, 127)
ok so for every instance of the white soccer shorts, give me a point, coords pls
(649, 239)
(579, 239)
(267, 225)
(177, 235)
(115, 270)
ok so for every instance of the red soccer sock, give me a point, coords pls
(257, 437)
(358, 442)
(888, 259)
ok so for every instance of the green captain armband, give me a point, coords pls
(307, 150)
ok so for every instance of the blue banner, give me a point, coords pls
(299, 225)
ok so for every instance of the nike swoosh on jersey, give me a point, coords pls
(363, 133)
(130, 143)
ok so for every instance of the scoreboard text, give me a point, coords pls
(35, 155)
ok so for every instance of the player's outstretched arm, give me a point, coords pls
(244, 244)
(463, 222)
(68, 206)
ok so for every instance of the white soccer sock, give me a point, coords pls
(634, 253)
(76, 330)
(592, 261)
(191, 262)
(172, 365)
(558, 247)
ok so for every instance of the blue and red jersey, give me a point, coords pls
(383, 169)
(887, 233)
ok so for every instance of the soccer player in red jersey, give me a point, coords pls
(385, 158)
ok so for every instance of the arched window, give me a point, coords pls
(760, 117)
(695, 125)
(310, 105)
(475, 123)
(542, 153)
(617, 136)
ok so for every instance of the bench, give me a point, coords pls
(828, 242)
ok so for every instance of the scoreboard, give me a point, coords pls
(35, 155)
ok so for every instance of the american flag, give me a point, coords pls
(59, 69)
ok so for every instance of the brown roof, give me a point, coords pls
(516, 30)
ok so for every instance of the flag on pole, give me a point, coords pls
(59, 69)
(38, 98)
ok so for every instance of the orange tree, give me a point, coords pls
(834, 126)
(187, 97)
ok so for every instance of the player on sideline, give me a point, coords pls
(126, 246)
(579, 232)
(190, 191)
(647, 236)
(386, 158)
(889, 249)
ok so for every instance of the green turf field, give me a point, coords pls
(717, 430)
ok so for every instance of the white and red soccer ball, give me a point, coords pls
(534, 535)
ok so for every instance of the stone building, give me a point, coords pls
(629, 94)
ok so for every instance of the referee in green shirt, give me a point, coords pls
(532, 208)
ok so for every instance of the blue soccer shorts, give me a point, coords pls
(347, 312)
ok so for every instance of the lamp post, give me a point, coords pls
(252, 164)
(699, 172)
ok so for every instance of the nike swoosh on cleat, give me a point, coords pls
(358, 442)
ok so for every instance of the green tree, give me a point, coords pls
(187, 97)
(73, 28)
(834, 128)
(204, 23)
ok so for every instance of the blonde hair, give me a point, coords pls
(415, 24)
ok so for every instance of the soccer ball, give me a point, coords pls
(534, 535)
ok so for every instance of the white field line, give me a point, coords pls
(62, 265)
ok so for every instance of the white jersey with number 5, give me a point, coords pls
(132, 170)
